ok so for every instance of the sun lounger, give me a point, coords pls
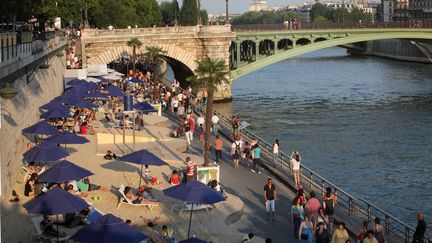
(188, 207)
(93, 215)
(125, 200)
(40, 237)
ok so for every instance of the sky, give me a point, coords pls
(235, 6)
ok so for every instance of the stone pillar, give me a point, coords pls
(217, 45)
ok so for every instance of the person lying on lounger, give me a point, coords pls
(135, 198)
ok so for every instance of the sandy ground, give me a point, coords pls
(17, 226)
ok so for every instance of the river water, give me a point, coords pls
(365, 123)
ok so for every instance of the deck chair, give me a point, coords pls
(39, 236)
(93, 215)
(188, 207)
(125, 200)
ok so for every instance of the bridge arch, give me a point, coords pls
(284, 44)
(266, 47)
(303, 41)
(336, 41)
(248, 50)
(174, 55)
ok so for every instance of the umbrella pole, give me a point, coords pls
(190, 220)
(57, 229)
(133, 119)
(139, 184)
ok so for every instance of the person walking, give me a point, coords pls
(215, 123)
(306, 231)
(295, 163)
(270, 196)
(188, 132)
(297, 215)
(256, 156)
(420, 231)
(275, 152)
(200, 120)
(321, 234)
(191, 168)
(379, 230)
(312, 207)
(370, 238)
(218, 148)
(341, 234)
(329, 203)
(235, 152)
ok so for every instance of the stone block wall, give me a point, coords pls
(21, 112)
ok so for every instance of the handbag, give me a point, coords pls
(304, 237)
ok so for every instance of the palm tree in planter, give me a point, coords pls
(153, 57)
(210, 74)
(134, 43)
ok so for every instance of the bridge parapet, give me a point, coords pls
(158, 30)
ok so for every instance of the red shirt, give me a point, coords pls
(191, 168)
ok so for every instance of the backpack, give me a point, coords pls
(237, 149)
(329, 209)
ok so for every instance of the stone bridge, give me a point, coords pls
(245, 48)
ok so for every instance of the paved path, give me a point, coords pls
(250, 188)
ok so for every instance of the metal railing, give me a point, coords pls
(333, 25)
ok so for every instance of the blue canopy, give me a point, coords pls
(42, 128)
(85, 104)
(76, 90)
(193, 240)
(45, 152)
(194, 192)
(103, 80)
(54, 105)
(142, 157)
(55, 113)
(76, 82)
(114, 91)
(55, 201)
(144, 106)
(95, 94)
(91, 86)
(108, 229)
(135, 80)
(67, 138)
(64, 171)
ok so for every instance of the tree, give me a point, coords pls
(359, 15)
(321, 20)
(134, 43)
(204, 17)
(265, 17)
(210, 74)
(152, 58)
(167, 12)
(189, 13)
(176, 10)
(341, 15)
(319, 9)
(148, 13)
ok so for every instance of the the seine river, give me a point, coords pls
(363, 122)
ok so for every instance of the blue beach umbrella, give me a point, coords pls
(144, 106)
(67, 138)
(135, 80)
(45, 152)
(55, 113)
(54, 105)
(76, 90)
(91, 86)
(54, 202)
(64, 171)
(85, 104)
(76, 82)
(194, 192)
(96, 94)
(102, 79)
(41, 128)
(114, 91)
(108, 229)
(142, 157)
(193, 240)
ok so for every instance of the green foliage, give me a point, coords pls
(341, 15)
(204, 17)
(169, 11)
(124, 13)
(153, 56)
(321, 20)
(264, 17)
(359, 15)
(189, 13)
(319, 9)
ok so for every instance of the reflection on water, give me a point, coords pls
(364, 122)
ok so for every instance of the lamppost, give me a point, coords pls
(227, 21)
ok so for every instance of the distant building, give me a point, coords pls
(401, 10)
(387, 10)
(258, 5)
(420, 9)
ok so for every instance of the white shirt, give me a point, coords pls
(200, 121)
(215, 119)
(295, 164)
(275, 148)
